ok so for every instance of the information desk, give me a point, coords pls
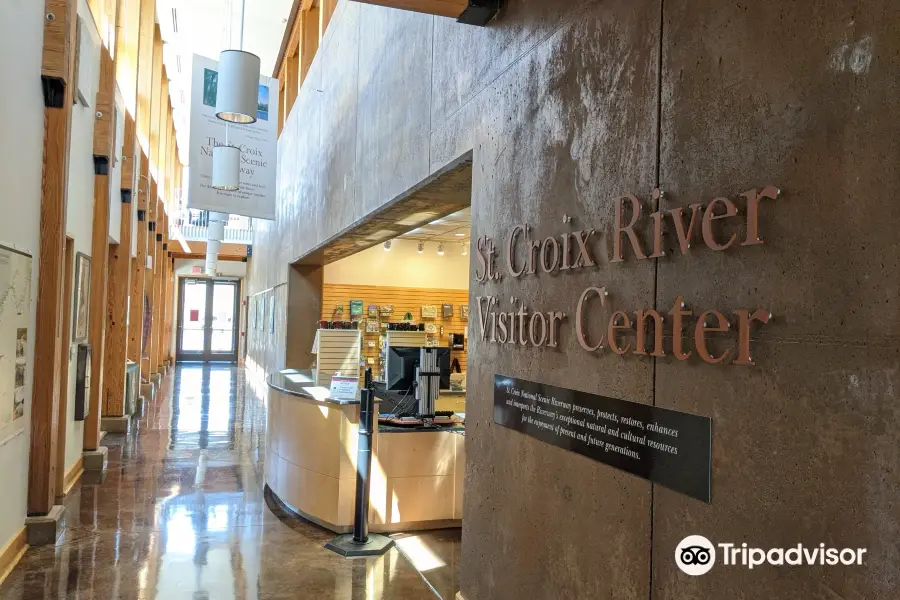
(417, 475)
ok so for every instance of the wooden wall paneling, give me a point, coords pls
(309, 40)
(64, 347)
(326, 11)
(403, 300)
(162, 133)
(57, 68)
(127, 43)
(104, 154)
(171, 207)
(145, 72)
(155, 104)
(282, 90)
(292, 82)
(165, 141)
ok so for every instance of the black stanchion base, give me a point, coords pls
(346, 547)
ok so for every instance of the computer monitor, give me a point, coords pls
(401, 368)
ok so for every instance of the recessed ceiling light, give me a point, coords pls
(459, 234)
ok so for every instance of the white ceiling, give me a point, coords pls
(454, 228)
(206, 27)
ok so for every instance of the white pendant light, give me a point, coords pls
(440, 249)
(212, 262)
(216, 230)
(237, 96)
(387, 246)
(465, 249)
(226, 175)
(421, 247)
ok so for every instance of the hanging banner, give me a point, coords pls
(258, 143)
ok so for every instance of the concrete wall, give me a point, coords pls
(403, 266)
(565, 106)
(21, 146)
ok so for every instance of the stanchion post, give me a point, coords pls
(360, 542)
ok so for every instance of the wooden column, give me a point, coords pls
(104, 144)
(138, 269)
(127, 52)
(158, 263)
(155, 110)
(145, 72)
(146, 364)
(58, 65)
(117, 297)
(161, 305)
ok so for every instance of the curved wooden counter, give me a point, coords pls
(417, 476)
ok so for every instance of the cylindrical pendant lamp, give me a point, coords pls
(226, 175)
(237, 95)
(212, 262)
(215, 231)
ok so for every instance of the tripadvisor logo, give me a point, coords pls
(696, 555)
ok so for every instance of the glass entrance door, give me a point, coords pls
(208, 320)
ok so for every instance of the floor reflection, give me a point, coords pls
(181, 514)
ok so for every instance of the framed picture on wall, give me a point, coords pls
(260, 313)
(82, 298)
(272, 313)
(356, 308)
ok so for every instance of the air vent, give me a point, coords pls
(174, 20)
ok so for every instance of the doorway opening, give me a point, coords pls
(208, 320)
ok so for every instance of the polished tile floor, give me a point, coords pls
(182, 514)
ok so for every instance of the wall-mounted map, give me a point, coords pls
(15, 308)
